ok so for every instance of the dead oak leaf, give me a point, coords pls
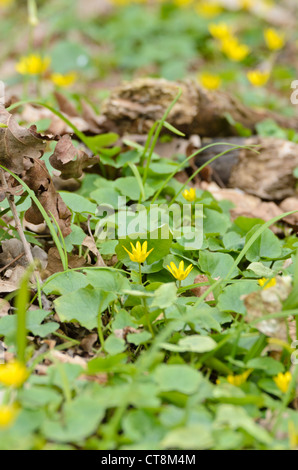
(17, 142)
(38, 179)
(69, 160)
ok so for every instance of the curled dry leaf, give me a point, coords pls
(17, 142)
(69, 160)
(55, 264)
(265, 302)
(39, 180)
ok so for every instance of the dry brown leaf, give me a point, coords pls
(17, 142)
(39, 180)
(200, 290)
(55, 264)
(88, 342)
(69, 160)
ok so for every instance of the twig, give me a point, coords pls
(11, 202)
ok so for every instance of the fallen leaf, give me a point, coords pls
(69, 160)
(18, 142)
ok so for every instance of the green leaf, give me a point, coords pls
(77, 203)
(266, 246)
(81, 418)
(217, 264)
(83, 305)
(193, 436)
(230, 300)
(65, 283)
(165, 295)
(114, 345)
(180, 378)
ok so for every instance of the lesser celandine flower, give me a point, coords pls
(240, 379)
(207, 9)
(234, 50)
(139, 253)
(33, 64)
(189, 195)
(265, 282)
(220, 31)
(274, 40)
(246, 4)
(6, 3)
(13, 374)
(64, 81)
(8, 414)
(179, 273)
(210, 81)
(283, 381)
(258, 78)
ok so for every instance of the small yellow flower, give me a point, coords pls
(274, 40)
(258, 78)
(293, 435)
(64, 81)
(139, 253)
(8, 414)
(13, 374)
(179, 273)
(283, 381)
(234, 50)
(207, 9)
(220, 31)
(6, 3)
(33, 65)
(210, 81)
(268, 283)
(183, 3)
(246, 4)
(240, 379)
(189, 195)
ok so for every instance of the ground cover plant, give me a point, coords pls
(143, 304)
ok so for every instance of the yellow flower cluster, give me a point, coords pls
(33, 64)
(139, 253)
(228, 42)
(258, 78)
(210, 81)
(283, 381)
(239, 379)
(8, 414)
(6, 3)
(274, 40)
(64, 81)
(13, 374)
(265, 282)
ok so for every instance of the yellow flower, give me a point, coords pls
(210, 81)
(13, 374)
(8, 414)
(5, 3)
(64, 80)
(268, 283)
(183, 3)
(179, 273)
(240, 379)
(274, 39)
(220, 31)
(139, 253)
(234, 50)
(33, 64)
(283, 381)
(258, 78)
(189, 195)
(247, 4)
(293, 435)
(207, 9)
